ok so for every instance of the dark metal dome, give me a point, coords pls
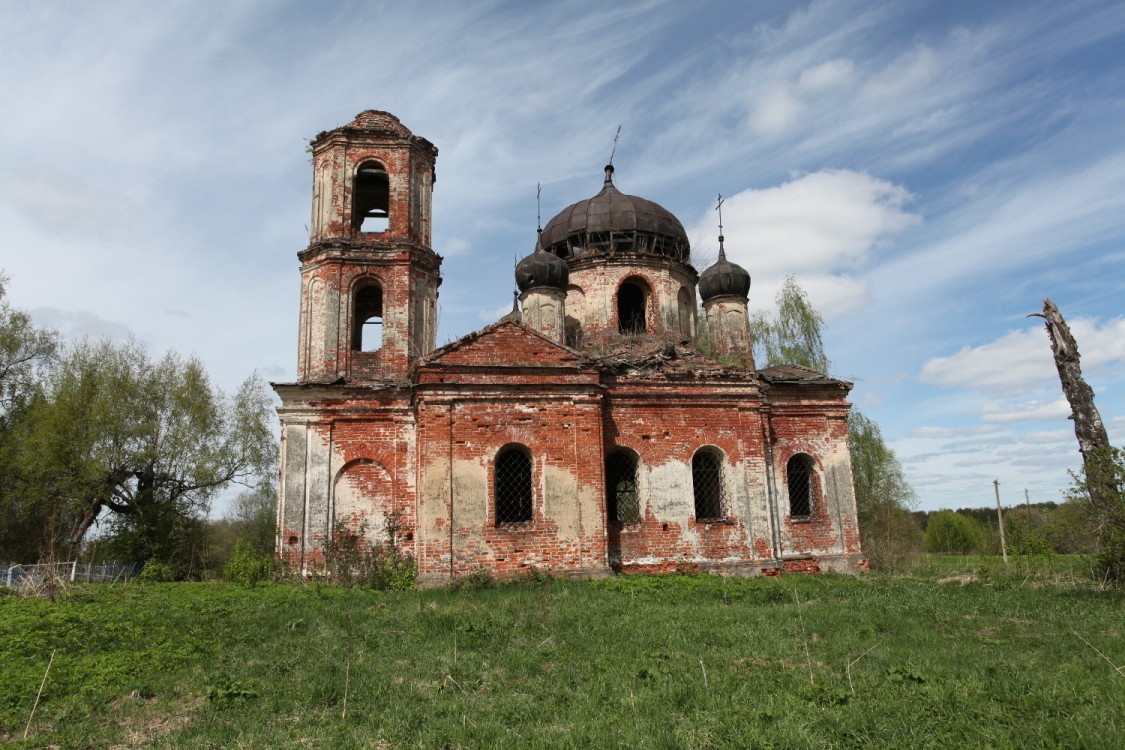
(542, 269)
(614, 222)
(724, 278)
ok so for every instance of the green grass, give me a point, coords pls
(637, 662)
(1037, 567)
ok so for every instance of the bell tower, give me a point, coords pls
(369, 277)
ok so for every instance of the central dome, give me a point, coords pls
(613, 222)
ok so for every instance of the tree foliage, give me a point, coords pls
(1100, 490)
(150, 441)
(951, 533)
(253, 516)
(883, 496)
(25, 353)
(792, 335)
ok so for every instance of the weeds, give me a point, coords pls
(353, 561)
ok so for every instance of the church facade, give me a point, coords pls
(602, 426)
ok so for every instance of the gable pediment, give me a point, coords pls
(505, 344)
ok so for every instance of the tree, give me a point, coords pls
(253, 516)
(951, 533)
(883, 496)
(150, 442)
(792, 336)
(1102, 481)
(26, 352)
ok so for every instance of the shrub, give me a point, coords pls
(247, 566)
(1100, 488)
(355, 562)
(157, 571)
(951, 533)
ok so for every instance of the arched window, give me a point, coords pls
(512, 483)
(367, 317)
(707, 481)
(371, 198)
(800, 472)
(622, 502)
(631, 300)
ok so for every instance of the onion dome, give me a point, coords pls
(614, 222)
(542, 269)
(724, 278)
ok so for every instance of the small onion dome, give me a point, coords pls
(724, 278)
(614, 222)
(542, 269)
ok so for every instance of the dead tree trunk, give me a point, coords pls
(1088, 427)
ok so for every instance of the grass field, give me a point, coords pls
(946, 659)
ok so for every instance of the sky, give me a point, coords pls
(928, 171)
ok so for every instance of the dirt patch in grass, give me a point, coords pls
(146, 719)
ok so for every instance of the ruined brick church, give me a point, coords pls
(601, 426)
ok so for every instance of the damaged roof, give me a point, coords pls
(798, 374)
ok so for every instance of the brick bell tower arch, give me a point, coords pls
(369, 278)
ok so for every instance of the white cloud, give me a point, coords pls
(1025, 411)
(929, 432)
(65, 206)
(455, 246)
(823, 221)
(1049, 437)
(778, 106)
(828, 76)
(76, 324)
(1017, 362)
(955, 466)
(819, 226)
(774, 110)
(1020, 361)
(908, 73)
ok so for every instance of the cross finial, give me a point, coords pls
(719, 208)
(614, 151)
(538, 218)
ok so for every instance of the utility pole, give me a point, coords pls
(1000, 519)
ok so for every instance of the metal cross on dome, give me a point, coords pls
(615, 139)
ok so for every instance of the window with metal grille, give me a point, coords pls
(707, 481)
(512, 483)
(622, 502)
(799, 473)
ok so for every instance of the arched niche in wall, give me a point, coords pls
(362, 496)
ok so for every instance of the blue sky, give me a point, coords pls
(929, 171)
